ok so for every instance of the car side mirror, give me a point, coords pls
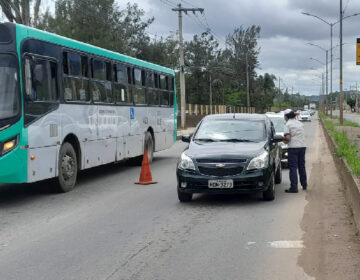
(277, 138)
(186, 138)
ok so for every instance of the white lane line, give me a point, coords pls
(280, 244)
(286, 244)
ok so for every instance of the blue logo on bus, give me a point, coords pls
(132, 113)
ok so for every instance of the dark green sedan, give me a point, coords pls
(229, 154)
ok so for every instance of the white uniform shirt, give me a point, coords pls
(295, 129)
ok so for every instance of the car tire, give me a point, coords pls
(278, 176)
(269, 194)
(184, 197)
(67, 168)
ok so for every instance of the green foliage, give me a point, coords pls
(21, 11)
(119, 30)
(345, 148)
(207, 67)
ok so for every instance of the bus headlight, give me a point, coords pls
(9, 145)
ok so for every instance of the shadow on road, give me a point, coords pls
(225, 200)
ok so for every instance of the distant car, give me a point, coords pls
(230, 153)
(305, 116)
(312, 112)
(279, 124)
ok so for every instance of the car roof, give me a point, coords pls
(276, 116)
(237, 116)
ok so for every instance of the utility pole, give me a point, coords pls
(279, 92)
(247, 83)
(341, 65)
(210, 85)
(182, 71)
(327, 91)
(331, 68)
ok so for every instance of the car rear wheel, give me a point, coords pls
(269, 194)
(184, 197)
(278, 176)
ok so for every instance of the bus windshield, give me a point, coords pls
(9, 100)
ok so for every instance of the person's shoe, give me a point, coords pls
(304, 188)
(291, 191)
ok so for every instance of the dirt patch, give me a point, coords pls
(332, 246)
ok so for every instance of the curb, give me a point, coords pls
(351, 183)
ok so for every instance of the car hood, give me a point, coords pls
(224, 150)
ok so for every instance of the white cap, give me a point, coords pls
(287, 111)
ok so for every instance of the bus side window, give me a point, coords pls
(40, 87)
(164, 94)
(171, 90)
(76, 81)
(152, 94)
(101, 86)
(138, 90)
(121, 87)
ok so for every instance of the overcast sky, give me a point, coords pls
(285, 33)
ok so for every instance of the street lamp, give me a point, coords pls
(331, 24)
(327, 79)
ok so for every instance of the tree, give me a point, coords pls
(101, 23)
(19, 11)
(241, 43)
(200, 52)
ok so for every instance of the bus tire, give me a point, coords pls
(149, 147)
(67, 167)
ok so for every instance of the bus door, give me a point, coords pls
(42, 117)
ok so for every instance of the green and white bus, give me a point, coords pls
(66, 106)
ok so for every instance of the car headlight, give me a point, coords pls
(259, 162)
(186, 163)
(9, 145)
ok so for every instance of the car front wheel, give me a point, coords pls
(269, 194)
(184, 197)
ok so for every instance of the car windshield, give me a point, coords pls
(231, 130)
(279, 124)
(9, 101)
(305, 113)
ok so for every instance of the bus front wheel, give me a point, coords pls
(67, 167)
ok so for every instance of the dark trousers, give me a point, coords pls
(296, 162)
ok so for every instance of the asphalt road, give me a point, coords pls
(110, 228)
(353, 117)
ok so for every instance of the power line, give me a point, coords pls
(347, 3)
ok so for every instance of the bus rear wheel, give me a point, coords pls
(67, 167)
(148, 147)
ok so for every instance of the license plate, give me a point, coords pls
(221, 184)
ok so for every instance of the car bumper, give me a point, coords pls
(284, 155)
(251, 182)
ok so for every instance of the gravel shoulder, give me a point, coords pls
(332, 243)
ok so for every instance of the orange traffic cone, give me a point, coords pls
(145, 175)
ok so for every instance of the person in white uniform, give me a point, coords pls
(295, 137)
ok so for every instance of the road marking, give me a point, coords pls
(281, 244)
(286, 244)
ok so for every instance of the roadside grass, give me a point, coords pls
(345, 148)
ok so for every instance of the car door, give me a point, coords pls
(274, 147)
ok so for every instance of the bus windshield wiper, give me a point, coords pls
(237, 140)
